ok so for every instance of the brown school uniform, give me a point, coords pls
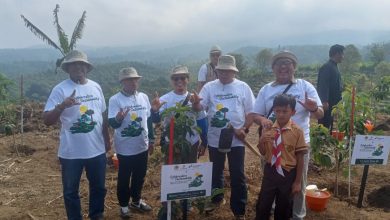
(274, 186)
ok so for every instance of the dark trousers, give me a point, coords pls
(131, 167)
(278, 188)
(238, 198)
(327, 120)
(95, 169)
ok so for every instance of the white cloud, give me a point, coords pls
(126, 22)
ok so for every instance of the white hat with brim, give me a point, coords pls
(128, 73)
(227, 62)
(180, 70)
(215, 49)
(284, 54)
(75, 56)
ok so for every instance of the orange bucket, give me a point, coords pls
(317, 201)
(115, 161)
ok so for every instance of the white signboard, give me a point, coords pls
(182, 181)
(370, 149)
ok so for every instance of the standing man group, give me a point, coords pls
(329, 84)
(79, 104)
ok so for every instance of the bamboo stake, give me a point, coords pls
(252, 148)
(350, 139)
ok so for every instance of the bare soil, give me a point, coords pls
(30, 184)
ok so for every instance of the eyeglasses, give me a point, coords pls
(279, 63)
(177, 78)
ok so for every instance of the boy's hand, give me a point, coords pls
(296, 188)
(266, 136)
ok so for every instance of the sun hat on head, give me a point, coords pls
(284, 54)
(215, 49)
(128, 73)
(75, 56)
(180, 70)
(227, 62)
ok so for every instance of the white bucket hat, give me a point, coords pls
(127, 73)
(215, 49)
(75, 56)
(180, 70)
(227, 62)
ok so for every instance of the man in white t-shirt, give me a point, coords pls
(207, 71)
(228, 101)
(79, 104)
(179, 95)
(284, 65)
(128, 114)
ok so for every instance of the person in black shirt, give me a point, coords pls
(329, 85)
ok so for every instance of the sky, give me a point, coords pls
(115, 23)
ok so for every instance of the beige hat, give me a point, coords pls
(215, 49)
(75, 56)
(127, 73)
(284, 54)
(180, 70)
(227, 62)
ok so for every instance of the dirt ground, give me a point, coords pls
(30, 185)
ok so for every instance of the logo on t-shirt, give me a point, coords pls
(85, 123)
(134, 128)
(219, 119)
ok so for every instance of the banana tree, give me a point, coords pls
(65, 45)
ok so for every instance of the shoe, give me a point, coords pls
(239, 217)
(211, 206)
(124, 213)
(140, 206)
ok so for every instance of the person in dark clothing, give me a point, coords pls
(329, 85)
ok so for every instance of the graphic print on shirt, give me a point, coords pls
(85, 123)
(219, 119)
(134, 128)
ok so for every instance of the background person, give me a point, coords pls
(329, 84)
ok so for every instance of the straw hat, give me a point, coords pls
(75, 56)
(284, 54)
(128, 73)
(227, 62)
(215, 49)
(180, 70)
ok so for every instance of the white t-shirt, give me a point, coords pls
(131, 137)
(172, 99)
(267, 93)
(226, 104)
(202, 75)
(81, 125)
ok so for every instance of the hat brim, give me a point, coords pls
(130, 77)
(221, 67)
(65, 64)
(180, 73)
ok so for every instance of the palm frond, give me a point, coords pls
(37, 32)
(62, 37)
(78, 31)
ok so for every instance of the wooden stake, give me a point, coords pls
(350, 138)
(252, 148)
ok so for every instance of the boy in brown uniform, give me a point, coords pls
(283, 146)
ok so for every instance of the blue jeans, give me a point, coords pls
(96, 174)
(236, 156)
